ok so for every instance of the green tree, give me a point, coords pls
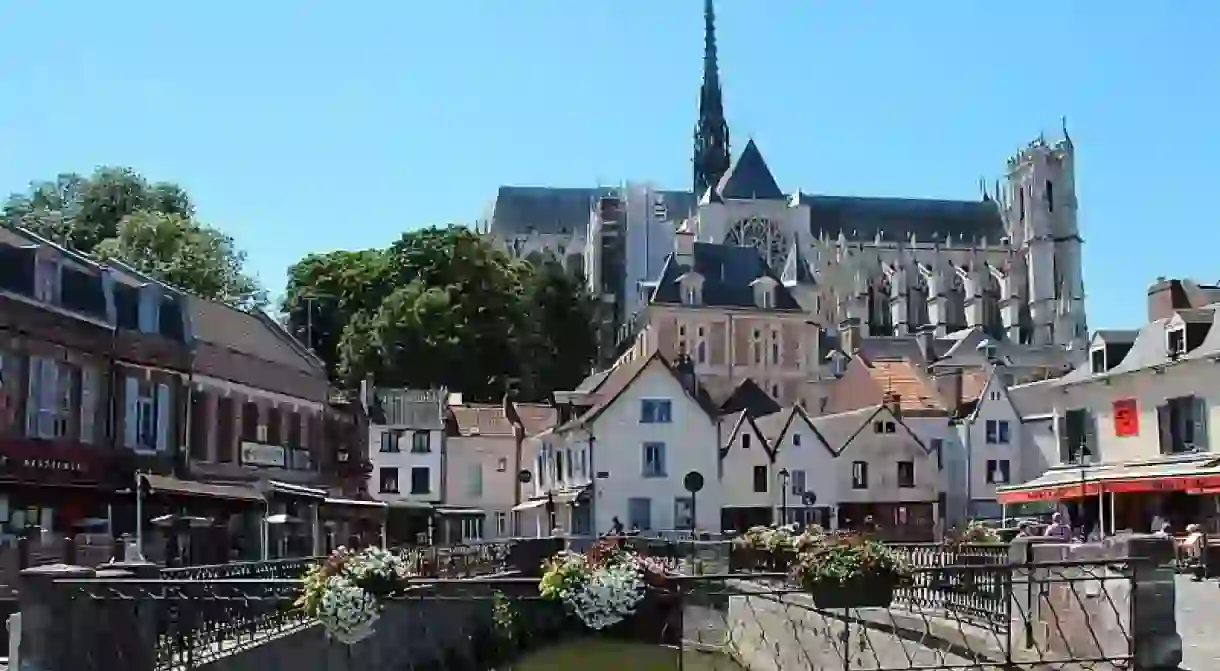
(560, 349)
(185, 254)
(326, 292)
(81, 212)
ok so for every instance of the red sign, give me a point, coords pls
(1126, 418)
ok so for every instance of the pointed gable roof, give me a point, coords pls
(796, 269)
(746, 423)
(775, 428)
(749, 178)
(748, 397)
(620, 379)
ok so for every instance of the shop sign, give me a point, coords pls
(1126, 418)
(1201, 484)
(29, 460)
(257, 454)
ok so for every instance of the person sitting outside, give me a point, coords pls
(1195, 548)
(1058, 529)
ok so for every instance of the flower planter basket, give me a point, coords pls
(864, 591)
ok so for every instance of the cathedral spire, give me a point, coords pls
(711, 155)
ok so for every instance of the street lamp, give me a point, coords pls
(783, 496)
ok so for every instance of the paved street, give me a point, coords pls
(1198, 612)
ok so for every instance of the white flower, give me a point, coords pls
(608, 596)
(347, 611)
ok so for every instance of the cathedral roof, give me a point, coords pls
(728, 271)
(749, 178)
(519, 210)
(897, 219)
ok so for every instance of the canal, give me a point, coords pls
(596, 654)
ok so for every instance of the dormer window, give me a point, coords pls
(690, 296)
(690, 288)
(150, 309)
(1175, 343)
(764, 292)
(1097, 359)
(47, 281)
(766, 299)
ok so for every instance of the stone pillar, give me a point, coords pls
(47, 626)
(1063, 609)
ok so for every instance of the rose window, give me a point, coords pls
(763, 235)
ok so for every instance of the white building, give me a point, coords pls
(623, 454)
(995, 448)
(1132, 424)
(810, 463)
(407, 445)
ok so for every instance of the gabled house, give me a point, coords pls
(810, 463)
(748, 475)
(886, 471)
(996, 453)
(636, 437)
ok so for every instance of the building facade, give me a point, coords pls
(1133, 442)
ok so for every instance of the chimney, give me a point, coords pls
(1166, 297)
(685, 368)
(849, 335)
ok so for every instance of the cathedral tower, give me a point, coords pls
(711, 155)
(1040, 214)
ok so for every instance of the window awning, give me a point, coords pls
(290, 489)
(460, 511)
(530, 505)
(355, 502)
(170, 485)
(1199, 475)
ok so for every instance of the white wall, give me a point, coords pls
(1150, 389)
(492, 457)
(737, 481)
(404, 460)
(691, 444)
(994, 408)
(813, 458)
(882, 452)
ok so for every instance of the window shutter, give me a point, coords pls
(131, 420)
(163, 408)
(1164, 428)
(33, 396)
(1200, 417)
(48, 403)
(88, 403)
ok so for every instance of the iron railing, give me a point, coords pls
(1055, 615)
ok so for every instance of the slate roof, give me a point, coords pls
(250, 334)
(748, 397)
(749, 178)
(862, 218)
(560, 210)
(727, 272)
(557, 210)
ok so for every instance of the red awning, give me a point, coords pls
(1060, 485)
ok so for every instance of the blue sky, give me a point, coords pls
(302, 127)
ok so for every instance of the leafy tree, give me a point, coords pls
(326, 292)
(186, 254)
(81, 212)
(560, 349)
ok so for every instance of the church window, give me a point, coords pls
(763, 235)
(775, 347)
(1050, 196)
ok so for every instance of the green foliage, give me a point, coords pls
(841, 558)
(444, 306)
(117, 214)
(184, 253)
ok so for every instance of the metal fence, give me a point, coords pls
(1062, 615)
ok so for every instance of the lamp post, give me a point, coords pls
(783, 496)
